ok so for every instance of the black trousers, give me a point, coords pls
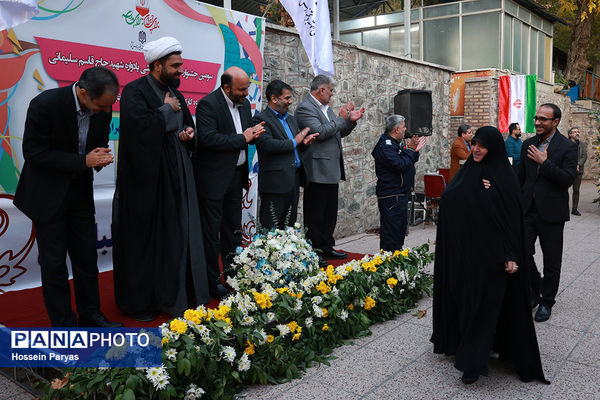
(393, 220)
(72, 231)
(551, 242)
(320, 214)
(576, 187)
(278, 210)
(222, 227)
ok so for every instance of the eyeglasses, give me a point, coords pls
(542, 119)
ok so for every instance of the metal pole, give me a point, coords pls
(407, 28)
(227, 4)
(336, 19)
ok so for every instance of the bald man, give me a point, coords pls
(224, 123)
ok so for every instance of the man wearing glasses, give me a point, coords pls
(548, 168)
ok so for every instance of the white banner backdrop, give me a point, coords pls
(68, 36)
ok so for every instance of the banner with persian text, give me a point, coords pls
(69, 36)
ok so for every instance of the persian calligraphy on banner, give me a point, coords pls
(64, 60)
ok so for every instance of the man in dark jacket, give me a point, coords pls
(224, 125)
(395, 170)
(66, 135)
(547, 169)
(278, 158)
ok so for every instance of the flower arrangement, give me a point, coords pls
(285, 315)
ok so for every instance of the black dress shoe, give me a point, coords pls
(98, 320)
(147, 316)
(533, 302)
(218, 291)
(340, 255)
(543, 313)
(575, 212)
(469, 378)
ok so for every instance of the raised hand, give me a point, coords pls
(99, 157)
(254, 132)
(172, 101)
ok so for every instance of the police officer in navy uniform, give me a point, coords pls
(395, 170)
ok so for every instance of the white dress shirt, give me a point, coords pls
(323, 108)
(234, 109)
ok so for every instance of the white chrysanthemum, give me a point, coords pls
(228, 354)
(207, 340)
(193, 392)
(203, 330)
(317, 300)
(162, 382)
(171, 354)
(270, 317)
(318, 311)
(283, 329)
(227, 329)
(244, 363)
(343, 315)
(308, 322)
(298, 306)
(335, 291)
(247, 320)
(233, 283)
(263, 334)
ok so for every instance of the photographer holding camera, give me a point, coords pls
(395, 170)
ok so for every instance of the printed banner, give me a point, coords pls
(69, 36)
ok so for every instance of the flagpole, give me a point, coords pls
(336, 19)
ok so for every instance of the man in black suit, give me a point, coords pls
(66, 135)
(278, 160)
(224, 122)
(548, 167)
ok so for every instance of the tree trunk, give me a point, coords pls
(577, 61)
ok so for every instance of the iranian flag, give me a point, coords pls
(517, 102)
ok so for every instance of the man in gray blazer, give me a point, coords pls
(279, 164)
(324, 162)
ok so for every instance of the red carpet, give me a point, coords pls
(25, 308)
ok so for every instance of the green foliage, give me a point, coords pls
(265, 337)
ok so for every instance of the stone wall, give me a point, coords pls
(371, 79)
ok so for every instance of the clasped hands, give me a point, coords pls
(348, 111)
(98, 158)
(511, 267)
(254, 132)
(304, 138)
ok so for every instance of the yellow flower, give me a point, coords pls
(178, 326)
(193, 315)
(293, 326)
(282, 290)
(249, 348)
(296, 336)
(404, 252)
(348, 268)
(369, 303)
(377, 260)
(262, 300)
(396, 253)
(270, 338)
(323, 287)
(325, 327)
(299, 329)
(221, 312)
(325, 312)
(164, 341)
(350, 307)
(392, 282)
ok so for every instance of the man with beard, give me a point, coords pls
(513, 145)
(548, 168)
(221, 165)
(582, 158)
(157, 236)
(279, 163)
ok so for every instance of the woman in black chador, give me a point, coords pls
(480, 296)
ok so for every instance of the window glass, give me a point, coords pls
(357, 23)
(397, 17)
(480, 44)
(541, 59)
(511, 7)
(440, 41)
(440, 11)
(354, 37)
(524, 48)
(507, 51)
(397, 41)
(480, 5)
(533, 51)
(517, 45)
(377, 39)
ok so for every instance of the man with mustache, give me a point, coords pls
(158, 250)
(513, 145)
(221, 165)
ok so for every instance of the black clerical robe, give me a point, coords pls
(157, 237)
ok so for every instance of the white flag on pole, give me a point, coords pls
(311, 18)
(16, 12)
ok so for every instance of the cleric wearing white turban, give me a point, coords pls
(161, 47)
